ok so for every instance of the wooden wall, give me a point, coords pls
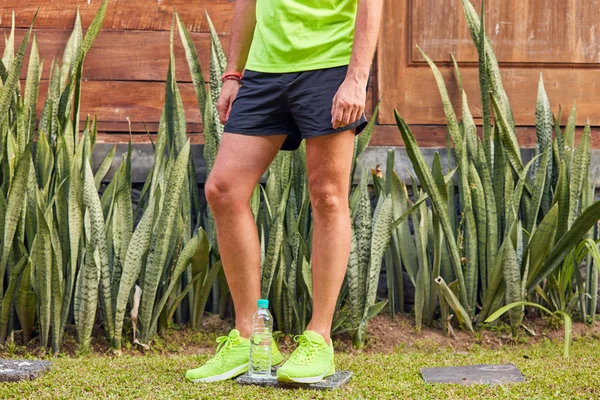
(125, 71)
(558, 38)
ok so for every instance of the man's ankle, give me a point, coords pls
(325, 333)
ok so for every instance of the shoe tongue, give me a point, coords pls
(234, 334)
(314, 337)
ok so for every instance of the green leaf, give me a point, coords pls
(579, 171)
(91, 202)
(157, 256)
(512, 277)
(14, 206)
(439, 206)
(183, 261)
(586, 220)
(461, 314)
(137, 249)
(14, 72)
(86, 295)
(34, 70)
(105, 167)
(191, 56)
(9, 297)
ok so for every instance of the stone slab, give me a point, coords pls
(474, 374)
(21, 370)
(337, 380)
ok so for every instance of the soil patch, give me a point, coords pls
(384, 336)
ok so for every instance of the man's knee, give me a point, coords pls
(327, 199)
(221, 194)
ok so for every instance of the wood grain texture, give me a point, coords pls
(120, 14)
(559, 32)
(410, 87)
(123, 55)
(384, 136)
(114, 101)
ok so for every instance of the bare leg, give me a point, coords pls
(328, 162)
(240, 163)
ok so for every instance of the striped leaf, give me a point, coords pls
(14, 72)
(276, 235)
(512, 277)
(9, 44)
(579, 171)
(105, 167)
(569, 138)
(9, 297)
(137, 249)
(543, 130)
(450, 298)
(183, 261)
(43, 259)
(86, 296)
(191, 55)
(14, 206)
(439, 206)
(99, 247)
(380, 239)
(584, 222)
(34, 73)
(218, 64)
(488, 58)
(71, 53)
(25, 303)
(159, 248)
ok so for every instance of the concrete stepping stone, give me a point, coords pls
(21, 370)
(474, 374)
(337, 380)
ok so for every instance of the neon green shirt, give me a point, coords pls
(302, 35)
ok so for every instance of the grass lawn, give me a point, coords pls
(394, 375)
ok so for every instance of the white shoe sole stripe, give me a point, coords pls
(312, 379)
(222, 377)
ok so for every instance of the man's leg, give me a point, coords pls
(240, 163)
(329, 162)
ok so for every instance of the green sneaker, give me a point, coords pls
(230, 360)
(310, 362)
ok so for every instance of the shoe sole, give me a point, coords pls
(311, 379)
(222, 377)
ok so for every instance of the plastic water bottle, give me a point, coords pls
(261, 342)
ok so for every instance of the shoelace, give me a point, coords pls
(306, 349)
(224, 343)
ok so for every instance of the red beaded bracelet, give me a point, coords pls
(231, 76)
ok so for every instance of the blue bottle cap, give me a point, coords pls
(263, 303)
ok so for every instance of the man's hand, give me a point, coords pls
(348, 103)
(229, 92)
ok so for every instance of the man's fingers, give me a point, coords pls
(344, 120)
(228, 111)
(358, 114)
(334, 113)
(222, 112)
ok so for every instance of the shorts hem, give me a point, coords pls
(253, 132)
(359, 125)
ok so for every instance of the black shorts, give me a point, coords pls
(295, 104)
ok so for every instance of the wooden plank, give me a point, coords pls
(120, 14)
(112, 138)
(421, 103)
(522, 31)
(114, 101)
(410, 87)
(123, 55)
(432, 136)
